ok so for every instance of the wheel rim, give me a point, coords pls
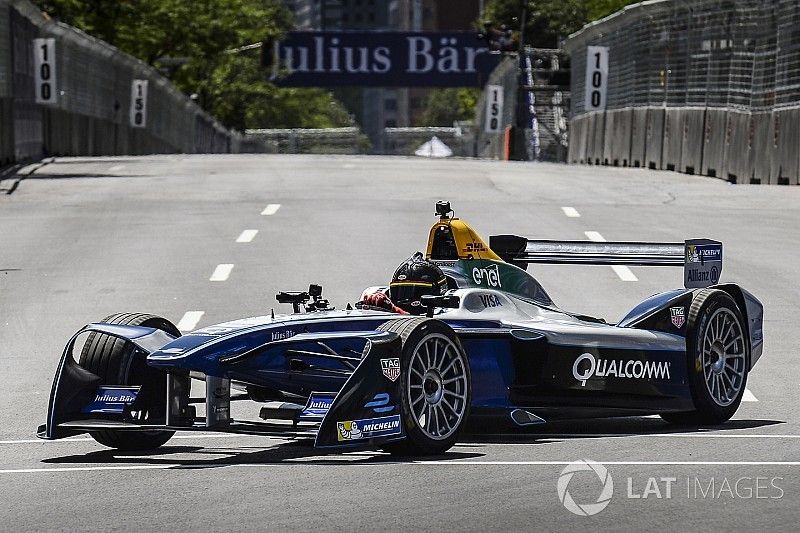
(437, 386)
(723, 353)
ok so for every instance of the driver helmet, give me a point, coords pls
(414, 278)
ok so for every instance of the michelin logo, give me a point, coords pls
(368, 428)
(587, 366)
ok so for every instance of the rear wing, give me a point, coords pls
(701, 258)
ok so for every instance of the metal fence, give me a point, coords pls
(707, 87)
(405, 141)
(542, 136)
(306, 141)
(90, 114)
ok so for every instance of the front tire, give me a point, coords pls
(718, 355)
(114, 361)
(437, 386)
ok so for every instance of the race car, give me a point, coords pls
(494, 351)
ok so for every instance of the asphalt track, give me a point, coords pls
(84, 238)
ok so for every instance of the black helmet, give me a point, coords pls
(413, 279)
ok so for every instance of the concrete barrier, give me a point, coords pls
(654, 138)
(692, 121)
(761, 124)
(577, 139)
(595, 135)
(6, 131)
(638, 136)
(673, 139)
(784, 156)
(715, 133)
(617, 148)
(738, 147)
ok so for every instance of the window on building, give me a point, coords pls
(390, 104)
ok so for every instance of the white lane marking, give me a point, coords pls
(622, 463)
(571, 212)
(189, 436)
(749, 396)
(418, 462)
(271, 209)
(574, 436)
(624, 273)
(580, 436)
(116, 168)
(190, 320)
(247, 235)
(83, 469)
(222, 272)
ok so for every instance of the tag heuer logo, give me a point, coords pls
(391, 368)
(678, 316)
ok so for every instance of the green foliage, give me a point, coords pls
(548, 21)
(445, 106)
(194, 44)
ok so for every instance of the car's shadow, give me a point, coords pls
(302, 452)
(296, 452)
(601, 428)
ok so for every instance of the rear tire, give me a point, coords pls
(718, 356)
(437, 386)
(114, 361)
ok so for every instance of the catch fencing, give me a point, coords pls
(348, 140)
(537, 130)
(90, 92)
(707, 87)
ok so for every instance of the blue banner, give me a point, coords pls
(380, 59)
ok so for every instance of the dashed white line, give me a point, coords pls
(571, 212)
(222, 272)
(749, 396)
(624, 273)
(190, 320)
(247, 235)
(116, 168)
(271, 209)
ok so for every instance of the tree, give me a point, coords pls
(548, 21)
(195, 44)
(445, 106)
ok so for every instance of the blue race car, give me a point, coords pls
(492, 347)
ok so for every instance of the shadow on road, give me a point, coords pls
(610, 427)
(300, 452)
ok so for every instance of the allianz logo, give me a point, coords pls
(587, 366)
(489, 276)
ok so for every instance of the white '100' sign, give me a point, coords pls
(596, 77)
(139, 104)
(44, 61)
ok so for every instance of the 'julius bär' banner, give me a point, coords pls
(380, 59)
